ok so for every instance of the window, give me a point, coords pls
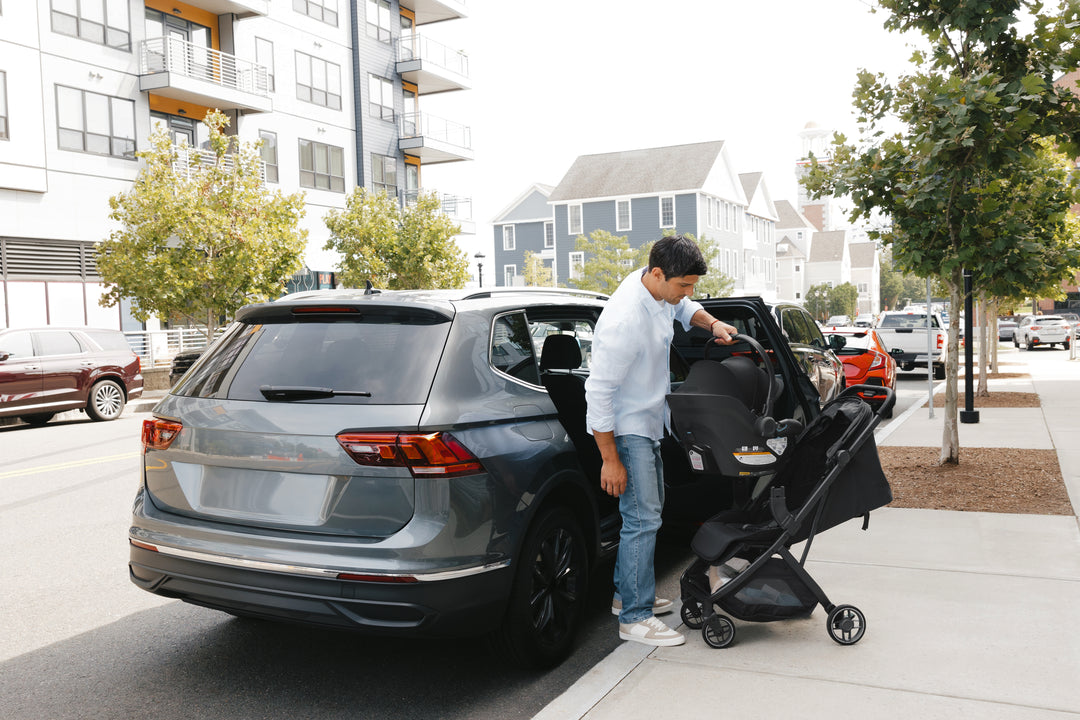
(573, 219)
(105, 22)
(864, 288)
(94, 123)
(3, 107)
(508, 237)
(269, 154)
(378, 20)
(318, 81)
(324, 10)
(577, 263)
(512, 348)
(622, 215)
(798, 267)
(384, 174)
(549, 235)
(509, 273)
(380, 98)
(264, 55)
(577, 328)
(667, 212)
(322, 167)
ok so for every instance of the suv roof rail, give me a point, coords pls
(531, 290)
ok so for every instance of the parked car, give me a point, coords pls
(866, 360)
(44, 371)
(1036, 330)
(864, 320)
(407, 463)
(1006, 327)
(839, 321)
(1073, 320)
(181, 363)
(904, 333)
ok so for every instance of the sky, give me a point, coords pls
(558, 79)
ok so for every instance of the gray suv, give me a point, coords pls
(411, 462)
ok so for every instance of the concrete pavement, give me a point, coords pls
(967, 614)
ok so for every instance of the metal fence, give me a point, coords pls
(170, 54)
(157, 348)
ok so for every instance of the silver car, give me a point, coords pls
(1037, 330)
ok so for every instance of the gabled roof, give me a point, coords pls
(750, 182)
(786, 247)
(639, 172)
(544, 191)
(827, 246)
(863, 254)
(790, 217)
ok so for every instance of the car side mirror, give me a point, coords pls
(4, 355)
(836, 342)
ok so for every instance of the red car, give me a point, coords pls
(866, 361)
(44, 371)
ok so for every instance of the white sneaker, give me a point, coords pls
(659, 606)
(651, 632)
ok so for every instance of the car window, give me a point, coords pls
(17, 344)
(108, 339)
(1049, 320)
(380, 358)
(794, 325)
(57, 343)
(580, 330)
(512, 348)
(907, 321)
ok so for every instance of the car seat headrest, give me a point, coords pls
(737, 376)
(561, 352)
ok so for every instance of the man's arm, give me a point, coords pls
(612, 472)
(718, 328)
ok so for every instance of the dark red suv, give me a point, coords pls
(44, 371)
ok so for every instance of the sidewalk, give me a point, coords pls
(967, 614)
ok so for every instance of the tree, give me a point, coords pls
(817, 302)
(608, 258)
(537, 273)
(394, 247)
(974, 113)
(200, 235)
(844, 300)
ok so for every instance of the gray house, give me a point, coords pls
(526, 225)
(643, 193)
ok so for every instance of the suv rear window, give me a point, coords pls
(907, 321)
(392, 357)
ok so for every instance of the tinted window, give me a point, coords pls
(109, 339)
(792, 322)
(512, 349)
(391, 355)
(57, 343)
(907, 321)
(17, 344)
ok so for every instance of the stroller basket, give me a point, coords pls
(774, 592)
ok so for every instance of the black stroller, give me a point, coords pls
(827, 475)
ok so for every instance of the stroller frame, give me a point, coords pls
(769, 544)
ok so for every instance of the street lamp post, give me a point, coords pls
(480, 267)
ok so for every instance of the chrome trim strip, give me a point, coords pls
(327, 573)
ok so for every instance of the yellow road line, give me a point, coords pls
(66, 465)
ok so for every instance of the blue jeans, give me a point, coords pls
(640, 505)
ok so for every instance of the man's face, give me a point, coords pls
(674, 289)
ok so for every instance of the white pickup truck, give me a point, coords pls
(904, 336)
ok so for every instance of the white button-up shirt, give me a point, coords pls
(630, 374)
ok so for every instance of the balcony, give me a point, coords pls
(240, 8)
(187, 157)
(455, 207)
(433, 139)
(183, 71)
(432, 11)
(431, 66)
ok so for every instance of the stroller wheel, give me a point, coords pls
(846, 624)
(719, 631)
(692, 615)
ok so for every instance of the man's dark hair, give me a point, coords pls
(677, 255)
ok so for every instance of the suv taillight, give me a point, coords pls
(431, 455)
(158, 434)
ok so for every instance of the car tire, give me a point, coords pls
(939, 372)
(1016, 342)
(106, 401)
(547, 600)
(37, 419)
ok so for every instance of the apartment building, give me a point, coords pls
(689, 188)
(333, 88)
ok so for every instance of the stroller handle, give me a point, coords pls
(766, 410)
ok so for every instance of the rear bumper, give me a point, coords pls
(457, 606)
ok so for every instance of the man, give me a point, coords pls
(627, 411)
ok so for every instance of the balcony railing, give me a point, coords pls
(415, 125)
(173, 55)
(418, 47)
(453, 206)
(188, 157)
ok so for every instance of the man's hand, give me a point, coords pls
(613, 477)
(723, 332)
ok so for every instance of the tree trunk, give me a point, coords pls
(950, 437)
(984, 348)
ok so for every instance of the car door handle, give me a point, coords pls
(86, 364)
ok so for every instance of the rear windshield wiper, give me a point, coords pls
(304, 392)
